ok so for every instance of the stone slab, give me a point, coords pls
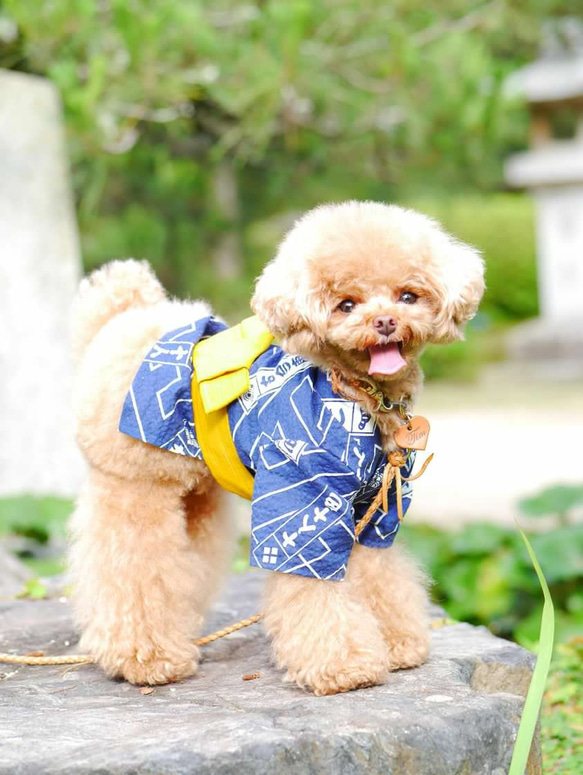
(560, 163)
(552, 79)
(456, 715)
(39, 272)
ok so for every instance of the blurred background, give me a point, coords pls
(195, 132)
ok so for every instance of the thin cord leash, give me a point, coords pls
(81, 659)
(392, 472)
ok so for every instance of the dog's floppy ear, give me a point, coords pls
(462, 287)
(284, 298)
(275, 299)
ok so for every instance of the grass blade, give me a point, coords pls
(536, 689)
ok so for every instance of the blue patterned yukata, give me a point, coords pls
(316, 457)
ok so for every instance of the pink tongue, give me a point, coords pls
(385, 359)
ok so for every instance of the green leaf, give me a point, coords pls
(480, 538)
(430, 545)
(45, 566)
(561, 551)
(34, 589)
(575, 603)
(558, 499)
(494, 595)
(36, 517)
(460, 584)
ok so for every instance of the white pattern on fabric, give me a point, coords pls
(316, 457)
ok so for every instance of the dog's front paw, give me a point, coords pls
(145, 663)
(156, 670)
(341, 673)
(407, 649)
(326, 640)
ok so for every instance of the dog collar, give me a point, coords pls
(375, 392)
(370, 387)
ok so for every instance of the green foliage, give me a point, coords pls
(38, 519)
(34, 589)
(34, 517)
(502, 227)
(557, 500)
(301, 102)
(461, 361)
(457, 362)
(561, 727)
(45, 566)
(483, 575)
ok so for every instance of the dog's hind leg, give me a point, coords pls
(210, 531)
(139, 580)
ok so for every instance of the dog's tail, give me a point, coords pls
(115, 287)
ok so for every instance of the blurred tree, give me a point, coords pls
(188, 120)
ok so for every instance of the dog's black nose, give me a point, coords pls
(385, 325)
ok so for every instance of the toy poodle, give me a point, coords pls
(354, 293)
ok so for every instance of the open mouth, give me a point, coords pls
(386, 358)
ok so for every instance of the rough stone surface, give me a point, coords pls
(39, 271)
(456, 715)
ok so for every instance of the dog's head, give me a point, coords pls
(367, 285)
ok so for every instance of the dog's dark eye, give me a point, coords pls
(347, 305)
(408, 297)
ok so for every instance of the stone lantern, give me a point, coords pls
(553, 171)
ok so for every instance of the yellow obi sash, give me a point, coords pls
(221, 375)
